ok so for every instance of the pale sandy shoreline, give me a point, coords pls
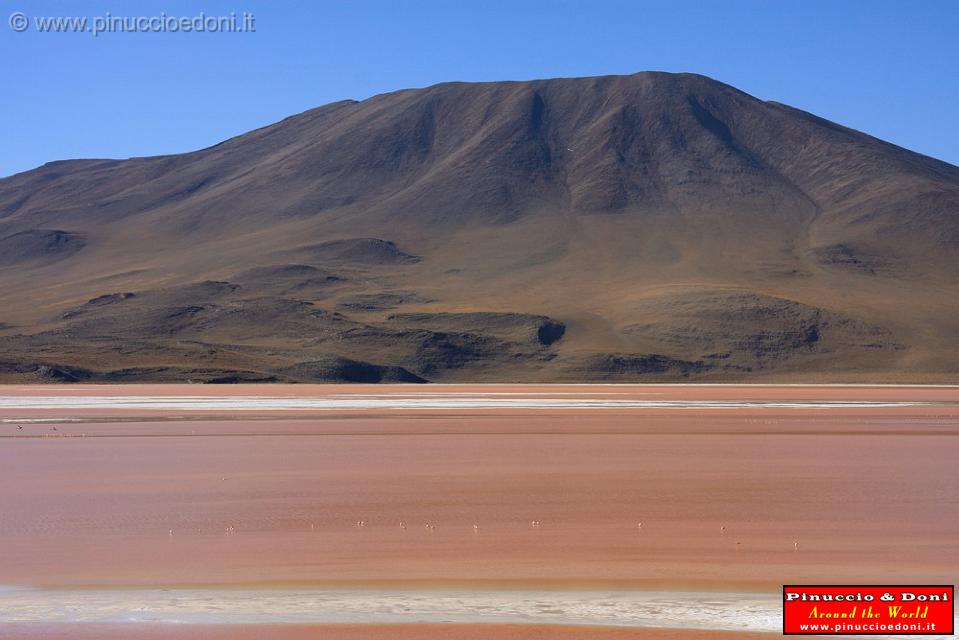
(468, 605)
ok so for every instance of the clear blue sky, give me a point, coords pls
(890, 69)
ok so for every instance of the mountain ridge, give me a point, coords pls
(581, 200)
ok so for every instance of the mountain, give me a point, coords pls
(623, 228)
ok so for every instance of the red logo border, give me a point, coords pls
(952, 601)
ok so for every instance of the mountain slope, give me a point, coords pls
(672, 225)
